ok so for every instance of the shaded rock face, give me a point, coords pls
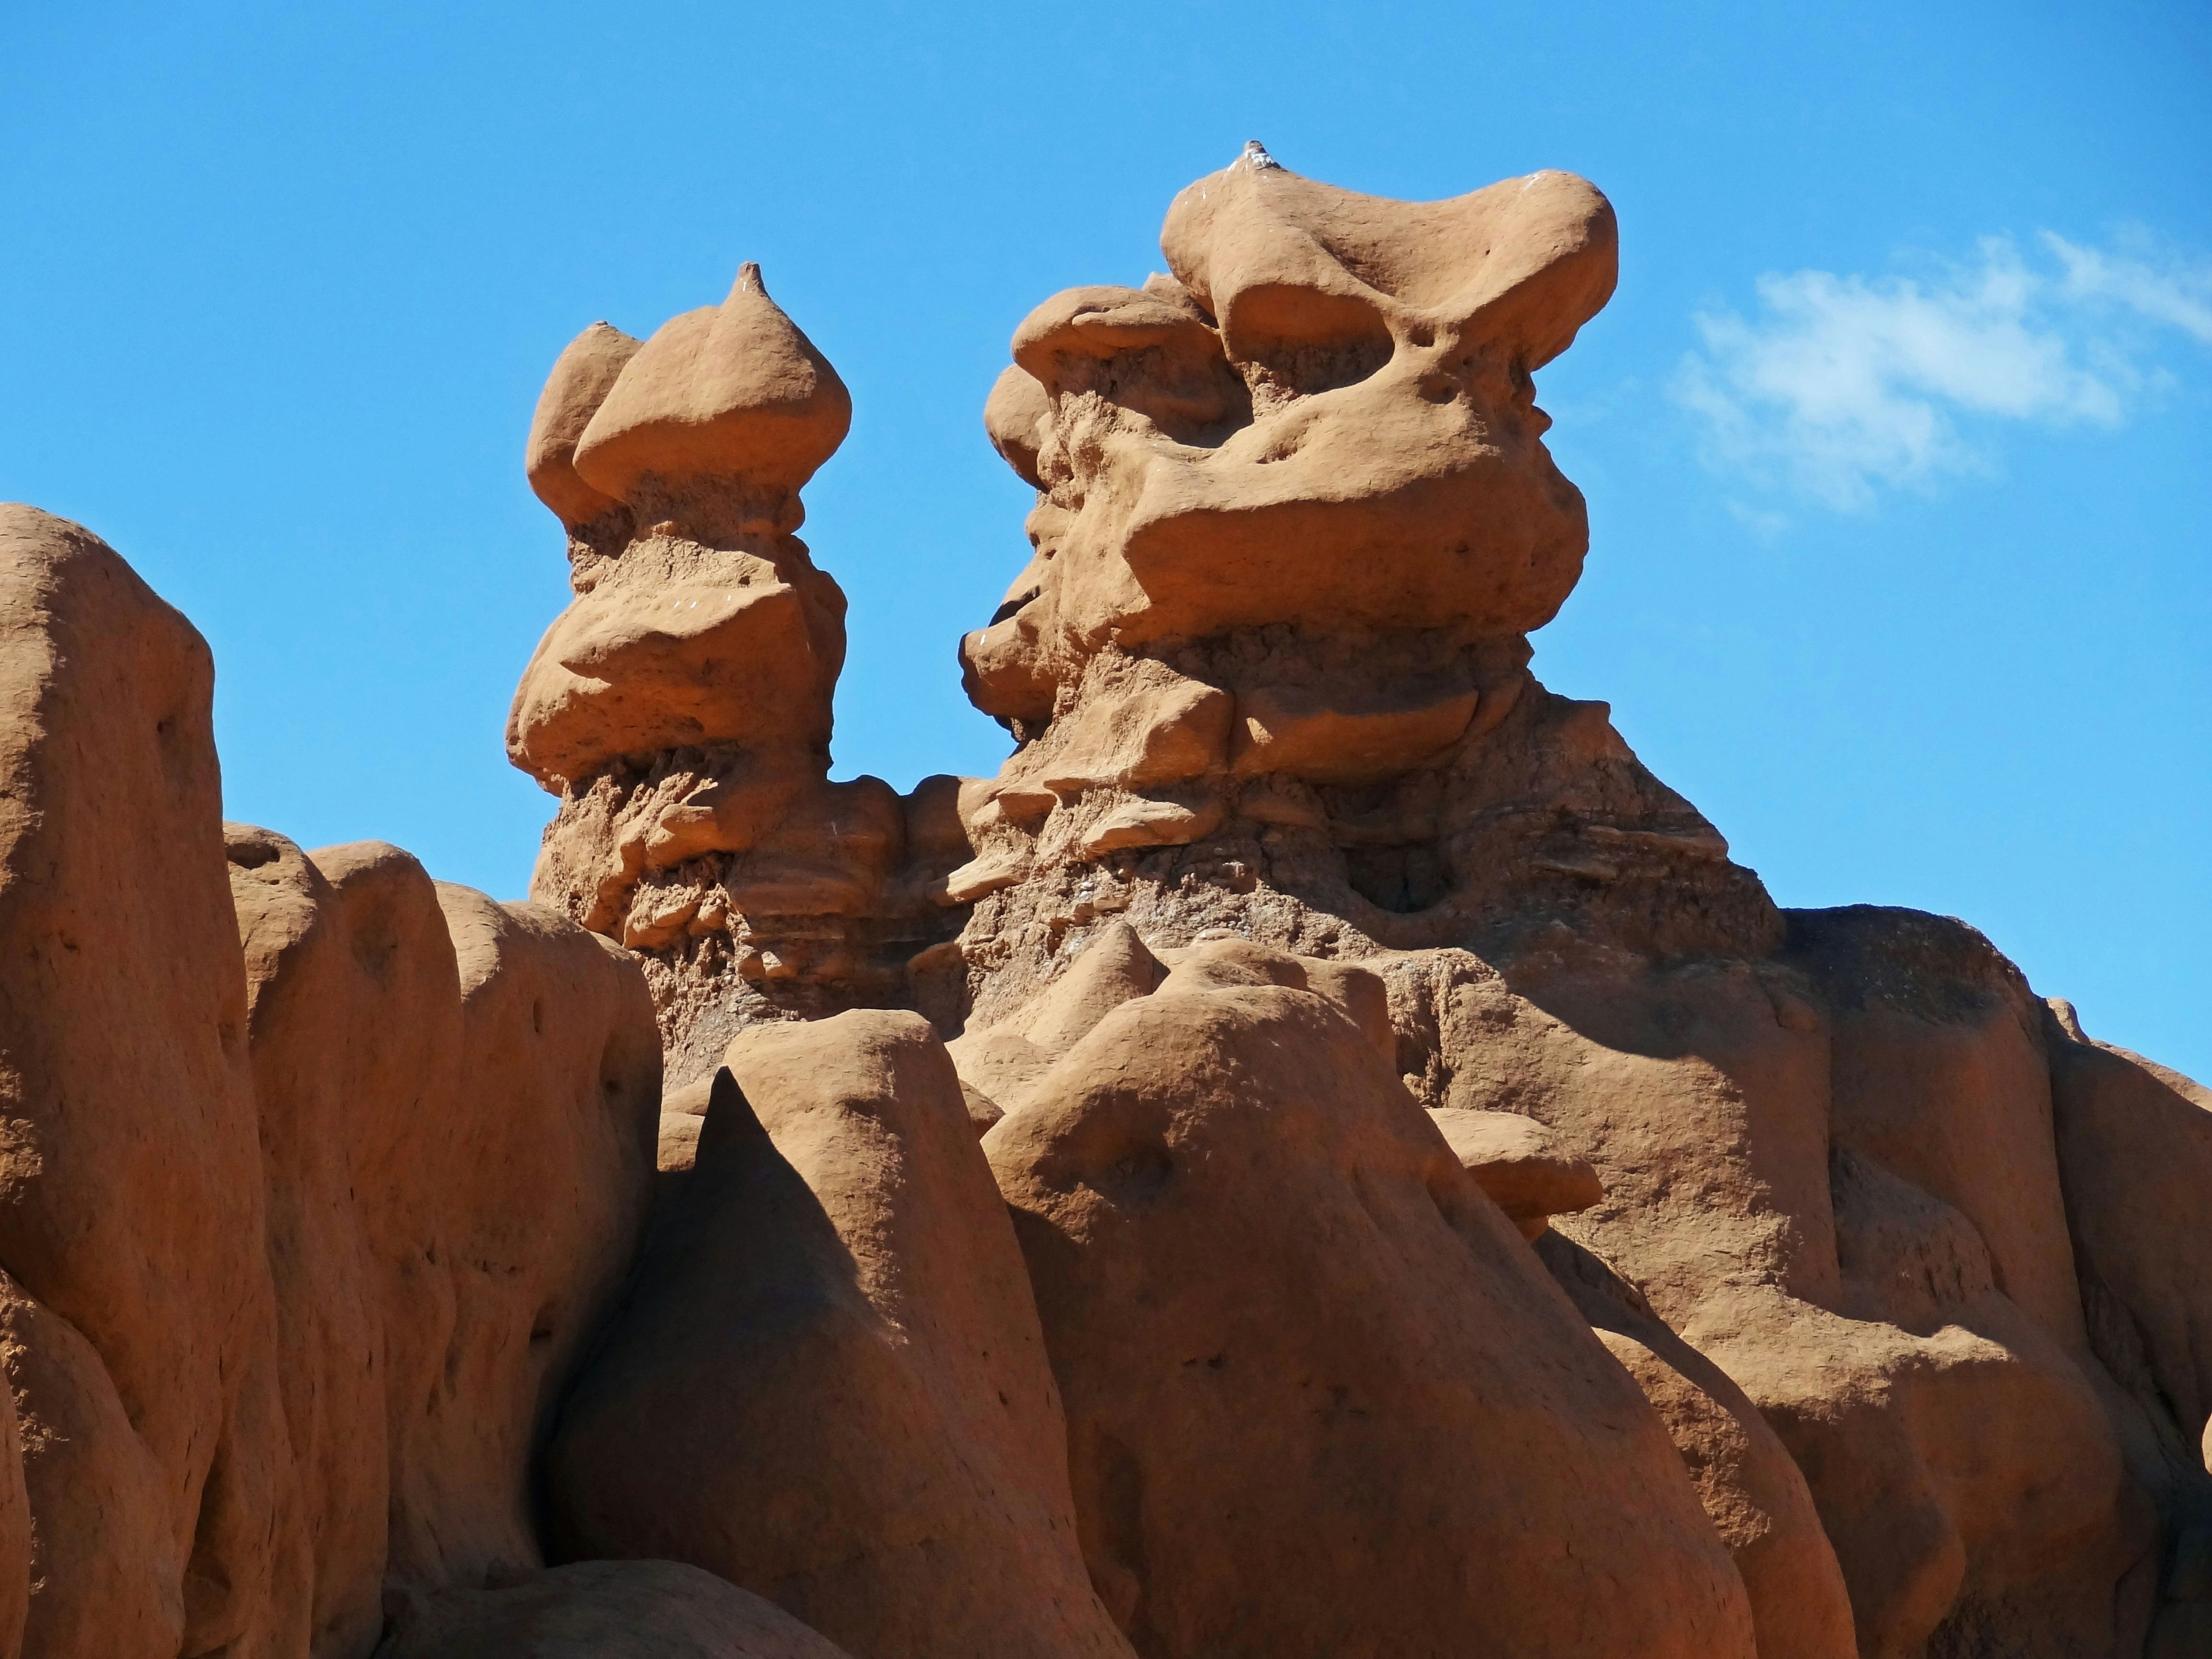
(828, 1383)
(680, 708)
(601, 1610)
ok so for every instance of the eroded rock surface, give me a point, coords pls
(1429, 1199)
(828, 1384)
(1320, 1397)
(680, 708)
(1268, 674)
(322, 1173)
(136, 1309)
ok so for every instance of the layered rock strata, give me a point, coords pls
(680, 707)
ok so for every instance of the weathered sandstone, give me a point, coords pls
(680, 708)
(137, 1316)
(1267, 671)
(1322, 1154)
(1247, 1238)
(828, 1384)
(322, 1173)
(457, 1099)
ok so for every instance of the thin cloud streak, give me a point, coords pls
(1841, 386)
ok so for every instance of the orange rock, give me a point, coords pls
(582, 378)
(1296, 731)
(1287, 1325)
(1751, 1488)
(828, 1384)
(681, 707)
(743, 647)
(730, 391)
(456, 1100)
(139, 1323)
(2134, 1158)
(1519, 1163)
(1323, 418)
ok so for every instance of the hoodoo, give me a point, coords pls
(680, 707)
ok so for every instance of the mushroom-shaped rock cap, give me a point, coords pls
(584, 373)
(1524, 263)
(732, 390)
(1102, 321)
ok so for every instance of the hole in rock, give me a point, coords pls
(1404, 878)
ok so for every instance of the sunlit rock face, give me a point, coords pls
(1267, 672)
(680, 707)
(1295, 521)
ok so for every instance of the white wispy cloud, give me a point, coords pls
(1839, 385)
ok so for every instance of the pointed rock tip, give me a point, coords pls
(1254, 156)
(749, 280)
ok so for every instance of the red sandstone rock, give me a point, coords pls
(1519, 1163)
(732, 391)
(680, 708)
(580, 380)
(455, 1097)
(1292, 1331)
(828, 1384)
(1826, 1147)
(139, 1323)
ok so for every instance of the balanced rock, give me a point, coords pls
(582, 378)
(828, 1383)
(680, 708)
(1320, 1397)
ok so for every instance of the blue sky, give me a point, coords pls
(1895, 436)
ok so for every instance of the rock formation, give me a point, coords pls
(320, 1173)
(1323, 1154)
(680, 707)
(1267, 671)
(600, 1610)
(828, 1384)
(1245, 1236)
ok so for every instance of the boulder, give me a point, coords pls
(601, 1610)
(728, 392)
(1522, 1165)
(1320, 1397)
(827, 1383)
